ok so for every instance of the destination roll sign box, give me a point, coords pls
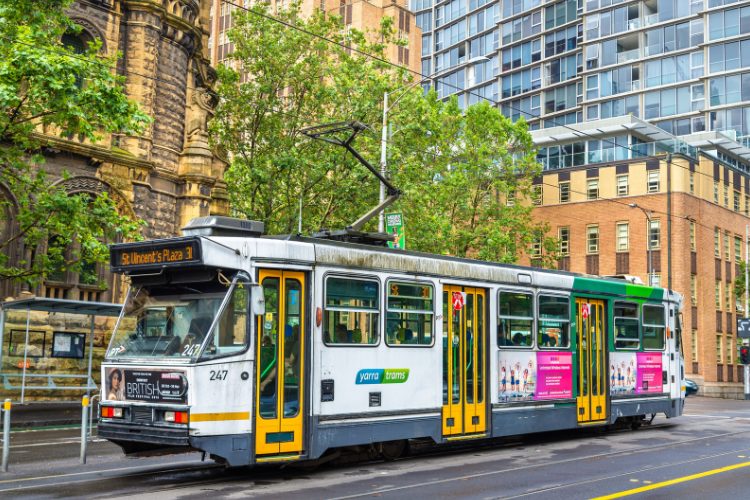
(154, 254)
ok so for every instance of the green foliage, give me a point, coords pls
(454, 168)
(40, 90)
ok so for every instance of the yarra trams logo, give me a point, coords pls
(383, 376)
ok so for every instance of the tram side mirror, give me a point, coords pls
(257, 300)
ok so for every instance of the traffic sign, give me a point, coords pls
(743, 328)
(459, 299)
(585, 310)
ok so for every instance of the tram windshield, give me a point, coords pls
(173, 321)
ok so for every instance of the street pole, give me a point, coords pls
(383, 146)
(650, 266)
(747, 287)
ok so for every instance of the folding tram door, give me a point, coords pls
(592, 367)
(280, 364)
(464, 360)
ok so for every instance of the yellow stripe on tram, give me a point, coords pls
(671, 482)
(219, 417)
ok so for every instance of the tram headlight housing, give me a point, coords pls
(178, 417)
(109, 412)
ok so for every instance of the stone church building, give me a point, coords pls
(168, 175)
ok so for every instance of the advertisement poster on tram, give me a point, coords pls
(649, 377)
(622, 373)
(517, 376)
(394, 225)
(144, 385)
(554, 375)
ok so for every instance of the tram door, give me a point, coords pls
(463, 360)
(592, 368)
(279, 361)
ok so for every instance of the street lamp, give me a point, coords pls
(648, 238)
(386, 109)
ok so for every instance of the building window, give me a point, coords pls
(726, 196)
(592, 189)
(656, 280)
(694, 336)
(727, 299)
(692, 182)
(537, 199)
(726, 245)
(717, 249)
(729, 350)
(694, 289)
(564, 235)
(536, 247)
(737, 206)
(622, 185)
(747, 205)
(511, 198)
(692, 236)
(564, 192)
(716, 192)
(655, 234)
(592, 239)
(737, 249)
(653, 181)
(622, 236)
(718, 295)
(718, 348)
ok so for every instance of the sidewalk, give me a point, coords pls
(32, 415)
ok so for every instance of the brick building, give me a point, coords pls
(168, 175)
(699, 207)
(362, 15)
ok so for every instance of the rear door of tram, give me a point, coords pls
(591, 347)
(280, 364)
(464, 358)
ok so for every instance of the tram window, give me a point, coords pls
(230, 333)
(554, 322)
(409, 315)
(626, 326)
(515, 318)
(653, 327)
(352, 312)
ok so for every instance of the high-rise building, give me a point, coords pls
(362, 15)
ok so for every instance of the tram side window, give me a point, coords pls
(554, 322)
(409, 315)
(626, 326)
(230, 333)
(653, 327)
(515, 318)
(351, 315)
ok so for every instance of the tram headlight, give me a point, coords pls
(178, 417)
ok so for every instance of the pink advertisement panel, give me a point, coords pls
(554, 375)
(649, 375)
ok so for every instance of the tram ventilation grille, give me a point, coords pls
(142, 414)
(374, 399)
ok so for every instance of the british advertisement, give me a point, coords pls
(526, 376)
(145, 385)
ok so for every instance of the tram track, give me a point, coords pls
(104, 475)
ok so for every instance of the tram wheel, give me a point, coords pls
(391, 450)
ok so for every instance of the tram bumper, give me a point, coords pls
(137, 440)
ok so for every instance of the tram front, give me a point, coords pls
(177, 371)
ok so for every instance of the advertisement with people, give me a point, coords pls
(144, 385)
(623, 368)
(525, 376)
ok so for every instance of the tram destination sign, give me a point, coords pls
(155, 254)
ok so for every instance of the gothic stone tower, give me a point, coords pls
(169, 174)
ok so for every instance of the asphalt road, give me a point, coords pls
(704, 453)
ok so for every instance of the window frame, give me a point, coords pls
(387, 288)
(619, 185)
(566, 243)
(567, 188)
(588, 249)
(664, 327)
(521, 291)
(592, 187)
(618, 225)
(637, 319)
(356, 277)
(538, 319)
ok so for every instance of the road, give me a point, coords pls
(706, 452)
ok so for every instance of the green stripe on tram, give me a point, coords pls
(624, 288)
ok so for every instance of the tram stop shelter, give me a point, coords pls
(50, 346)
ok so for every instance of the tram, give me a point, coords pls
(258, 349)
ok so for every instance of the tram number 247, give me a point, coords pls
(218, 375)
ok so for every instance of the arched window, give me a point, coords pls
(79, 46)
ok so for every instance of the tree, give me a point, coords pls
(45, 86)
(454, 168)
